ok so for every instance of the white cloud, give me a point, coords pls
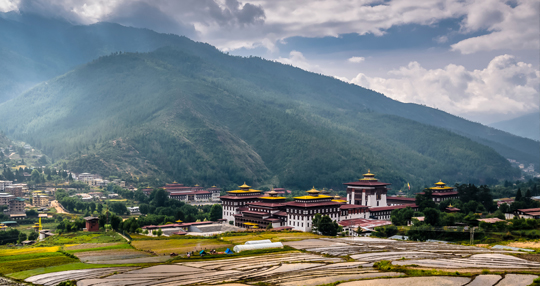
(297, 59)
(504, 87)
(356, 60)
(511, 27)
(230, 24)
(8, 5)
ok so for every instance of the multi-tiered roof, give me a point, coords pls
(368, 180)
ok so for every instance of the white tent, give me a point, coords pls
(239, 248)
(258, 241)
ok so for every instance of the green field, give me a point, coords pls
(180, 246)
(82, 237)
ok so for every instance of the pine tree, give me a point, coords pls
(519, 196)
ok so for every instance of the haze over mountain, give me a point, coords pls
(527, 126)
(189, 112)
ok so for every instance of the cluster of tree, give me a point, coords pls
(520, 202)
(158, 203)
(509, 189)
(325, 226)
(384, 231)
(13, 235)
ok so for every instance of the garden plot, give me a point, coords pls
(271, 267)
(251, 262)
(50, 279)
(91, 245)
(489, 261)
(358, 245)
(180, 246)
(119, 256)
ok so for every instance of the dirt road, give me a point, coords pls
(58, 207)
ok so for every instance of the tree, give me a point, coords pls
(70, 178)
(115, 221)
(402, 216)
(425, 200)
(216, 212)
(92, 206)
(519, 196)
(432, 216)
(327, 226)
(504, 208)
(99, 208)
(33, 236)
(159, 197)
(316, 221)
(35, 176)
(159, 232)
(22, 237)
(528, 194)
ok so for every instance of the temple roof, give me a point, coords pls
(244, 186)
(368, 180)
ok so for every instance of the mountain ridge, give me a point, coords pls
(175, 113)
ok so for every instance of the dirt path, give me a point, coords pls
(58, 207)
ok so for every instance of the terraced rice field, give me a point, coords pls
(327, 260)
(274, 236)
(286, 269)
(180, 246)
(119, 256)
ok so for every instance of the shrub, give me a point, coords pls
(383, 265)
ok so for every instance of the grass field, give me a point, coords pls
(20, 259)
(180, 246)
(27, 250)
(97, 247)
(21, 265)
(81, 237)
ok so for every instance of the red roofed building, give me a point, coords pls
(351, 226)
(442, 192)
(367, 191)
(235, 199)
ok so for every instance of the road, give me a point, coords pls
(58, 207)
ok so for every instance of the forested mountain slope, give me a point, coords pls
(527, 126)
(35, 49)
(174, 113)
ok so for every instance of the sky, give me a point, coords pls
(475, 59)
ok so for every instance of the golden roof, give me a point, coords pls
(313, 191)
(244, 191)
(272, 192)
(196, 185)
(440, 183)
(368, 176)
(272, 198)
(213, 186)
(244, 186)
(312, 197)
(340, 201)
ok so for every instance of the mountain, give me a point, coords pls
(34, 49)
(180, 109)
(527, 126)
(196, 115)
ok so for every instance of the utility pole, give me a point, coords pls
(472, 235)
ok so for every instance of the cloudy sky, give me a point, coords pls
(476, 59)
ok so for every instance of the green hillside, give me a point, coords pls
(527, 126)
(174, 114)
(63, 46)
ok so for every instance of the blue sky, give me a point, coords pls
(475, 59)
